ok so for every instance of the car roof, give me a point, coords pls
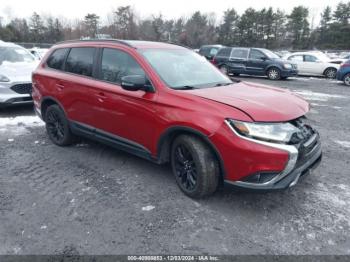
(136, 44)
(2, 43)
(218, 46)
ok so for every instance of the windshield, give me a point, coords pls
(15, 54)
(181, 68)
(270, 54)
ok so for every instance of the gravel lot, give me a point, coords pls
(91, 199)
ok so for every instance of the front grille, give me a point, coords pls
(22, 88)
(294, 66)
(307, 140)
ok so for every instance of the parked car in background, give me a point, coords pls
(16, 66)
(313, 63)
(38, 52)
(341, 59)
(253, 61)
(166, 103)
(209, 51)
(343, 73)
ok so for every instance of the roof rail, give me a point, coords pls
(97, 40)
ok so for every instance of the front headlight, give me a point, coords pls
(270, 132)
(4, 78)
(287, 66)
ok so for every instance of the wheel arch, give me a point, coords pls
(167, 138)
(329, 67)
(48, 101)
(279, 67)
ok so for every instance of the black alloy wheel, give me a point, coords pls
(185, 168)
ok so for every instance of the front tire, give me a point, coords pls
(330, 73)
(194, 166)
(347, 79)
(274, 73)
(57, 126)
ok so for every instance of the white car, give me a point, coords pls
(313, 63)
(16, 67)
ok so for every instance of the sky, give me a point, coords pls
(144, 8)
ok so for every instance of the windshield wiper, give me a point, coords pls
(223, 84)
(184, 88)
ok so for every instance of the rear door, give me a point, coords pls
(238, 60)
(257, 62)
(299, 61)
(78, 85)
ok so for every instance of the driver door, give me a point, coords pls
(128, 115)
(257, 62)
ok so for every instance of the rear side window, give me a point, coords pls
(80, 61)
(116, 64)
(297, 58)
(204, 51)
(224, 52)
(240, 53)
(56, 59)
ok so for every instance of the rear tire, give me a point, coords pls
(194, 166)
(274, 73)
(347, 79)
(57, 126)
(330, 73)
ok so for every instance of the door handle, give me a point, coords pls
(101, 96)
(60, 86)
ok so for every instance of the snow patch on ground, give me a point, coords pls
(18, 125)
(148, 208)
(315, 96)
(345, 144)
(20, 120)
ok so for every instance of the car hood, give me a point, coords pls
(20, 71)
(262, 103)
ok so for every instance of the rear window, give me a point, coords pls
(56, 59)
(80, 61)
(224, 52)
(241, 53)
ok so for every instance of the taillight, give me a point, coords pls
(345, 65)
(213, 61)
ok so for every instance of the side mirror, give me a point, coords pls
(135, 83)
(263, 58)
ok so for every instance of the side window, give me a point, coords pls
(80, 61)
(213, 51)
(296, 58)
(256, 54)
(225, 52)
(56, 59)
(310, 58)
(239, 53)
(116, 64)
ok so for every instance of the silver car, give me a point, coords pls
(16, 66)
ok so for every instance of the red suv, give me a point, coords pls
(166, 103)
